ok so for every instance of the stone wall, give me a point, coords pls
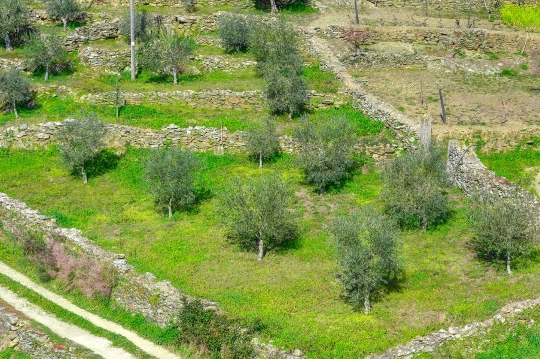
(470, 175)
(16, 333)
(470, 39)
(195, 138)
(115, 60)
(210, 99)
(101, 30)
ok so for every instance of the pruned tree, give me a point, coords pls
(44, 51)
(357, 37)
(256, 213)
(275, 46)
(235, 31)
(263, 142)
(503, 228)
(80, 141)
(167, 54)
(13, 13)
(64, 10)
(414, 187)
(14, 88)
(143, 25)
(286, 92)
(170, 174)
(326, 151)
(367, 245)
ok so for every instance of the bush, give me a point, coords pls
(234, 31)
(326, 152)
(286, 92)
(413, 188)
(212, 332)
(521, 16)
(262, 143)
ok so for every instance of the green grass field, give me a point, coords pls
(293, 291)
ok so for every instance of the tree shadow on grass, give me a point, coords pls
(105, 161)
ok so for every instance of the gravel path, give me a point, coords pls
(80, 336)
(90, 341)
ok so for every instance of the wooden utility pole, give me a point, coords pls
(443, 111)
(132, 10)
(356, 11)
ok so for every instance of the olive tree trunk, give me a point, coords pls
(175, 76)
(84, 176)
(15, 110)
(64, 22)
(273, 6)
(260, 160)
(170, 207)
(367, 303)
(7, 40)
(261, 250)
(508, 270)
(47, 72)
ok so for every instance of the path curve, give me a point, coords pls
(143, 344)
(98, 345)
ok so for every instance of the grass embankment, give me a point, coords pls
(520, 165)
(293, 292)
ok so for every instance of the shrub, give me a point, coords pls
(234, 31)
(189, 5)
(212, 332)
(521, 16)
(413, 188)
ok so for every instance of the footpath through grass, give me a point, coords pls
(292, 293)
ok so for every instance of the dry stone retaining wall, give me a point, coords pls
(196, 138)
(470, 39)
(16, 333)
(470, 175)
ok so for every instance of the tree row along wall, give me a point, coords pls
(470, 39)
(470, 175)
(444, 5)
(158, 301)
(17, 333)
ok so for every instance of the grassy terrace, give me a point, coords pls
(293, 292)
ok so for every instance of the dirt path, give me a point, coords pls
(143, 344)
(80, 336)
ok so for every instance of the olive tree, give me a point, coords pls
(44, 51)
(286, 92)
(326, 151)
(80, 141)
(256, 213)
(142, 26)
(367, 245)
(170, 175)
(414, 187)
(13, 13)
(167, 54)
(234, 31)
(64, 10)
(503, 228)
(263, 142)
(14, 88)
